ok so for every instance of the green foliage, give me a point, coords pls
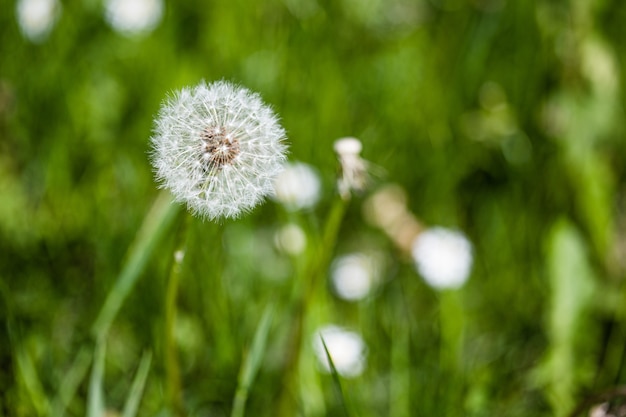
(502, 119)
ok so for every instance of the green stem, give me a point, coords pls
(171, 358)
(172, 367)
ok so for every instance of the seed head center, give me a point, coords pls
(219, 147)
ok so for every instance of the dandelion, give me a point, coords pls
(218, 148)
(37, 17)
(346, 349)
(298, 186)
(354, 275)
(132, 17)
(443, 257)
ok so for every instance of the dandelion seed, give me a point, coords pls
(346, 348)
(217, 148)
(443, 257)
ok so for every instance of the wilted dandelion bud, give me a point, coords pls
(218, 148)
(353, 175)
(298, 186)
(443, 257)
(346, 348)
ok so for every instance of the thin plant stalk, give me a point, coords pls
(172, 367)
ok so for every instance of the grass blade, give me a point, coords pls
(95, 399)
(157, 221)
(136, 390)
(252, 363)
(336, 380)
(71, 381)
(31, 381)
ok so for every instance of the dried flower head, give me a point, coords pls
(217, 147)
(354, 169)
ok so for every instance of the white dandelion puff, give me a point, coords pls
(443, 257)
(354, 275)
(346, 349)
(298, 186)
(218, 148)
(37, 17)
(132, 17)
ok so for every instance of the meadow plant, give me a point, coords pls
(218, 148)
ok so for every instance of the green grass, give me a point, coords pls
(503, 119)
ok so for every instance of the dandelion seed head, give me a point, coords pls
(132, 17)
(353, 276)
(36, 18)
(346, 348)
(218, 148)
(298, 186)
(443, 257)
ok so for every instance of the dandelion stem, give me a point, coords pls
(172, 368)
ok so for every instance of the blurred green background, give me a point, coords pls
(500, 118)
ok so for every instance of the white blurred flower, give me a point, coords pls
(298, 186)
(131, 17)
(354, 275)
(290, 239)
(443, 257)
(346, 348)
(218, 148)
(37, 17)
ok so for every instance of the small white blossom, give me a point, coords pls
(443, 257)
(217, 148)
(346, 348)
(131, 17)
(298, 186)
(37, 17)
